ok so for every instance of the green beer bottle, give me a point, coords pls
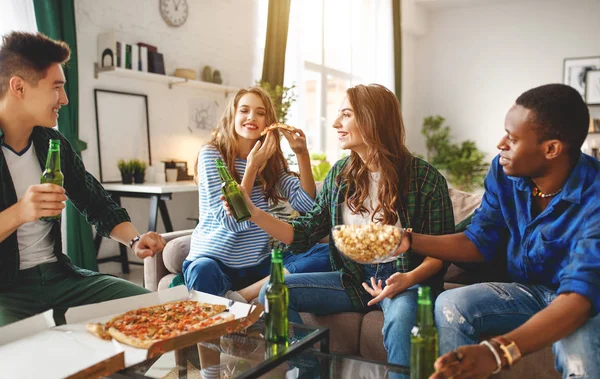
(52, 173)
(232, 193)
(276, 306)
(423, 339)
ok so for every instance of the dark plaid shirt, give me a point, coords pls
(427, 210)
(82, 189)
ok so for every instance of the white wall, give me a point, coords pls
(219, 33)
(473, 61)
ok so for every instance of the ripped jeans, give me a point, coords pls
(463, 314)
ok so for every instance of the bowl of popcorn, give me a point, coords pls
(368, 243)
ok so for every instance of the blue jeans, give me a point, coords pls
(209, 275)
(462, 314)
(323, 294)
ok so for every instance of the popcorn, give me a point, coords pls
(370, 243)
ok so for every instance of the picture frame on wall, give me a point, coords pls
(575, 71)
(592, 87)
(122, 131)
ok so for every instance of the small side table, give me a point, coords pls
(158, 194)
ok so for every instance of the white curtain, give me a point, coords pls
(333, 45)
(17, 15)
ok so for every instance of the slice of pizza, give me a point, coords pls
(98, 330)
(278, 125)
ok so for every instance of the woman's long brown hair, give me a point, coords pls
(379, 120)
(224, 138)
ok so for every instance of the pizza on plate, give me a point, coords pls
(145, 326)
(278, 125)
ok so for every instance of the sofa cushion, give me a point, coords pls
(344, 330)
(463, 203)
(165, 281)
(371, 337)
(175, 252)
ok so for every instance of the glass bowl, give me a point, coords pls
(367, 244)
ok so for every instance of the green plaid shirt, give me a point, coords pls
(428, 210)
(82, 189)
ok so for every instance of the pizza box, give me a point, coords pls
(78, 317)
(34, 348)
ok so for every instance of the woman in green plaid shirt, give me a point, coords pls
(382, 182)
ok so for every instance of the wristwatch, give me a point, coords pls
(509, 348)
(133, 240)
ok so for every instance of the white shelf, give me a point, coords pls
(169, 80)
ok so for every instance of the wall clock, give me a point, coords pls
(174, 12)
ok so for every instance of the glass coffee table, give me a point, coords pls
(237, 355)
(246, 355)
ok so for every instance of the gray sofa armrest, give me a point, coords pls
(154, 267)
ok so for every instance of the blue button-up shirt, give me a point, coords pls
(560, 247)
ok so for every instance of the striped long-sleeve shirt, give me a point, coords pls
(217, 234)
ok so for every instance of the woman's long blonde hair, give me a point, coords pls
(379, 121)
(224, 138)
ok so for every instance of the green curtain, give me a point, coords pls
(56, 19)
(397, 21)
(276, 42)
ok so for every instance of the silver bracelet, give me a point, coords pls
(496, 355)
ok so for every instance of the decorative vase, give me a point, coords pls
(216, 77)
(138, 177)
(127, 177)
(207, 74)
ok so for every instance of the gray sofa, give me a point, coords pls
(354, 333)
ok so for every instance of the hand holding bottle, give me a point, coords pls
(41, 200)
(247, 200)
(470, 361)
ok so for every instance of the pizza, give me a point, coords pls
(278, 125)
(143, 327)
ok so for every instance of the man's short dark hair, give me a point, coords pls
(559, 112)
(29, 55)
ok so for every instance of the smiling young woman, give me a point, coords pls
(229, 256)
(379, 182)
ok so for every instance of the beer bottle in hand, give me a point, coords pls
(232, 193)
(276, 306)
(423, 339)
(52, 173)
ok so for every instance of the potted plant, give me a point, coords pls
(320, 166)
(463, 165)
(282, 97)
(139, 170)
(126, 171)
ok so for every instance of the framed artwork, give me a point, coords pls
(122, 131)
(575, 71)
(592, 87)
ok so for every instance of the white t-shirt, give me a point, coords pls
(370, 203)
(36, 245)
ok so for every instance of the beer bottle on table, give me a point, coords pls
(52, 173)
(232, 193)
(423, 339)
(276, 306)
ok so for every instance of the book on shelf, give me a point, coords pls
(156, 63)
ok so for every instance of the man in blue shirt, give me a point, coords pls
(541, 210)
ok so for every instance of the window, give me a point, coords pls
(333, 45)
(17, 15)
